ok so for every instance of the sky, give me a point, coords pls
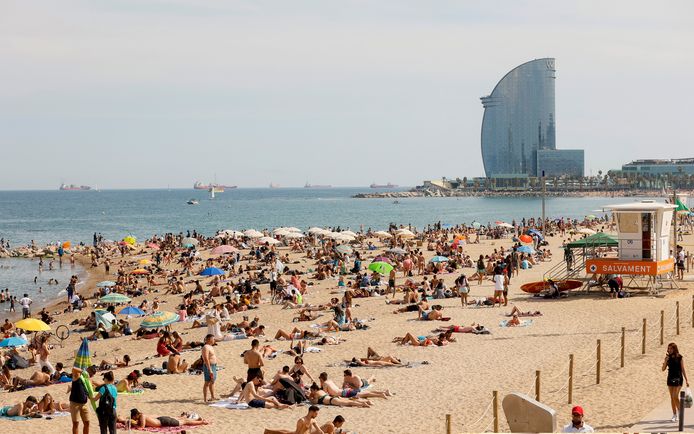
(157, 93)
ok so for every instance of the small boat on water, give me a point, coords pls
(389, 185)
(193, 202)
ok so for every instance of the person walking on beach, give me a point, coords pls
(675, 372)
(577, 424)
(209, 367)
(78, 403)
(26, 302)
(106, 397)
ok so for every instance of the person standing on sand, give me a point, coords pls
(498, 285)
(209, 367)
(675, 365)
(26, 303)
(254, 360)
(391, 281)
(78, 402)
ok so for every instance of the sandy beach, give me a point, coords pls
(458, 379)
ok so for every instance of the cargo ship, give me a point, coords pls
(73, 187)
(389, 185)
(218, 188)
(307, 185)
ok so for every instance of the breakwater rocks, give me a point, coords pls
(423, 192)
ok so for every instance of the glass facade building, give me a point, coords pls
(661, 167)
(519, 120)
(558, 162)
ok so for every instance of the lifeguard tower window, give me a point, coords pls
(628, 222)
(646, 229)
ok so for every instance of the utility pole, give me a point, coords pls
(544, 186)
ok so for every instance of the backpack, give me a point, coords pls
(106, 402)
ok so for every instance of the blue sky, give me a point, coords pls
(150, 93)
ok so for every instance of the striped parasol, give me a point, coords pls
(83, 359)
(159, 319)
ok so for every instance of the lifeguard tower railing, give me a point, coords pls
(599, 245)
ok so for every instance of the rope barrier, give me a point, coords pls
(486, 428)
(481, 417)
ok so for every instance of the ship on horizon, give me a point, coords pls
(274, 185)
(307, 185)
(389, 185)
(73, 187)
(218, 188)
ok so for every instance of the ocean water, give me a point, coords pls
(56, 216)
(51, 216)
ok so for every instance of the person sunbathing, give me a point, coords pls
(422, 305)
(334, 326)
(434, 314)
(473, 328)
(108, 366)
(296, 333)
(351, 381)
(318, 396)
(415, 341)
(140, 420)
(48, 406)
(372, 355)
(250, 395)
(513, 322)
(330, 340)
(332, 389)
(27, 408)
(305, 425)
(516, 311)
(175, 365)
(307, 315)
(42, 378)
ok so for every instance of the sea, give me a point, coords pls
(58, 216)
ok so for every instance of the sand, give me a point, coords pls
(459, 378)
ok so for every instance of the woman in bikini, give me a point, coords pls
(48, 406)
(321, 397)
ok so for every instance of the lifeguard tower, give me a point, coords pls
(644, 245)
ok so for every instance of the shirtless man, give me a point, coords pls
(148, 421)
(296, 333)
(332, 389)
(250, 395)
(305, 425)
(209, 367)
(318, 396)
(29, 406)
(335, 426)
(175, 365)
(42, 378)
(254, 359)
(351, 381)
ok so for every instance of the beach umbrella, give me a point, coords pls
(586, 231)
(382, 259)
(476, 225)
(295, 235)
(293, 229)
(380, 267)
(130, 240)
(537, 233)
(252, 233)
(344, 249)
(139, 272)
(83, 359)
(315, 230)
(131, 310)
(383, 234)
(105, 284)
(397, 250)
(405, 233)
(66, 244)
(144, 261)
(159, 319)
(114, 298)
(212, 271)
(525, 249)
(505, 225)
(526, 239)
(281, 232)
(341, 237)
(220, 250)
(268, 240)
(350, 233)
(153, 246)
(32, 325)
(13, 341)
(437, 259)
(189, 242)
(590, 217)
(105, 318)
(232, 233)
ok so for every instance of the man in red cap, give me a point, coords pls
(577, 424)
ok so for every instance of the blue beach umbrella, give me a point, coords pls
(83, 359)
(211, 271)
(536, 232)
(525, 249)
(131, 310)
(437, 259)
(105, 284)
(14, 341)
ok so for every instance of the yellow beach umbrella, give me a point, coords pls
(32, 325)
(144, 261)
(130, 240)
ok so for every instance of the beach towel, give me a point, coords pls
(45, 416)
(231, 404)
(133, 392)
(524, 323)
(175, 429)
(14, 418)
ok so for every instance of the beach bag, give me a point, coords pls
(688, 398)
(105, 408)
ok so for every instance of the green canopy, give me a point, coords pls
(599, 239)
(681, 206)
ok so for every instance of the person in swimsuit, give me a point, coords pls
(432, 315)
(147, 421)
(305, 425)
(676, 376)
(26, 408)
(351, 381)
(516, 311)
(250, 395)
(415, 341)
(332, 389)
(321, 397)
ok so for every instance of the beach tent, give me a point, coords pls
(105, 318)
(599, 239)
